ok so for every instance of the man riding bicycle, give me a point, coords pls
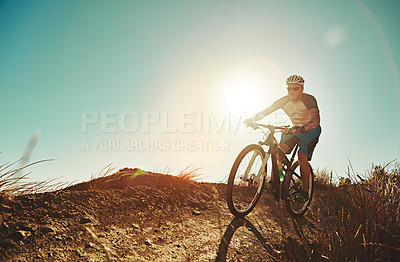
(303, 112)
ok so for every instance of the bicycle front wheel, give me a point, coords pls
(293, 183)
(246, 180)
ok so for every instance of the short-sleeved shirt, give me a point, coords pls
(302, 112)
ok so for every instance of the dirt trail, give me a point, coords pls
(132, 216)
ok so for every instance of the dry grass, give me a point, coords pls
(361, 221)
(191, 173)
(12, 184)
(98, 180)
(166, 170)
(324, 178)
(358, 221)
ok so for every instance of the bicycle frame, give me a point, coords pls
(273, 150)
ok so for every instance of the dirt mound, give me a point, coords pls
(133, 215)
(129, 177)
(119, 215)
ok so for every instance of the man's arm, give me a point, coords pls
(315, 119)
(275, 106)
(313, 111)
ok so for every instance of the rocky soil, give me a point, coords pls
(137, 216)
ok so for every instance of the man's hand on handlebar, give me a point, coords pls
(286, 130)
(294, 130)
(250, 122)
(297, 130)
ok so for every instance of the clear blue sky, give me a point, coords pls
(61, 61)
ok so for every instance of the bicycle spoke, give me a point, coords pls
(296, 204)
(246, 180)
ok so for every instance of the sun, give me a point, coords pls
(242, 94)
(252, 87)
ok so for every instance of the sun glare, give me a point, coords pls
(241, 95)
(252, 88)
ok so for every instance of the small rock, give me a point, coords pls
(58, 238)
(77, 253)
(147, 242)
(26, 227)
(21, 234)
(178, 245)
(69, 238)
(5, 208)
(196, 212)
(6, 226)
(89, 245)
(135, 226)
(7, 200)
(85, 220)
(47, 230)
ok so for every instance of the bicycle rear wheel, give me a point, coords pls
(292, 183)
(246, 180)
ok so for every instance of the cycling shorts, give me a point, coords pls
(306, 141)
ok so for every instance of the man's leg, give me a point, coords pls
(304, 170)
(307, 145)
(284, 147)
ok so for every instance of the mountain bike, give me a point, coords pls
(249, 172)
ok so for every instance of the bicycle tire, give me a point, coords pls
(246, 180)
(295, 208)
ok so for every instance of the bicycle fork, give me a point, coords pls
(260, 172)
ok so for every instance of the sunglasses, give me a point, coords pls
(293, 88)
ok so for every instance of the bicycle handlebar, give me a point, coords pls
(271, 128)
